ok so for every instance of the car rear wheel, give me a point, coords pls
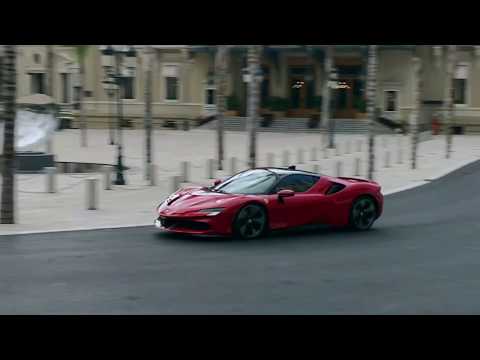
(250, 222)
(363, 213)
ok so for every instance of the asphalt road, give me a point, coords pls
(422, 257)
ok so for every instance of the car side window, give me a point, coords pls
(297, 182)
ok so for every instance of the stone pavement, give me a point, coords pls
(134, 203)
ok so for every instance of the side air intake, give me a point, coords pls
(335, 188)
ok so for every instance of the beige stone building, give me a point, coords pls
(292, 85)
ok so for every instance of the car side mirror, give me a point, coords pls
(217, 182)
(285, 193)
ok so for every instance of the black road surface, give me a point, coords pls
(421, 257)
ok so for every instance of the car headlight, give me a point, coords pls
(212, 212)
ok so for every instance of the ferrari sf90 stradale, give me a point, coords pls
(255, 201)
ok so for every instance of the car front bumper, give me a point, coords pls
(214, 226)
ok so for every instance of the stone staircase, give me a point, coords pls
(343, 126)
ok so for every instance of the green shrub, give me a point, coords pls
(276, 103)
(317, 102)
(232, 103)
(360, 104)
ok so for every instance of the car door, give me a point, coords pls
(307, 206)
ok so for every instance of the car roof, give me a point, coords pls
(287, 171)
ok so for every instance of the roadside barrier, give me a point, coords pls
(185, 167)
(357, 166)
(92, 193)
(338, 169)
(107, 176)
(51, 179)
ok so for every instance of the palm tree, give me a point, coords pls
(221, 74)
(81, 52)
(449, 104)
(326, 95)
(148, 110)
(8, 85)
(371, 102)
(50, 70)
(50, 83)
(253, 99)
(417, 68)
(1, 98)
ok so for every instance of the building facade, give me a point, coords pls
(292, 86)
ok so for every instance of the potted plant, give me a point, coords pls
(278, 106)
(233, 106)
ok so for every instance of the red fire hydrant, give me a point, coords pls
(435, 126)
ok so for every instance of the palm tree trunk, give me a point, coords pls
(7, 212)
(326, 92)
(1, 86)
(371, 103)
(50, 84)
(83, 119)
(50, 70)
(253, 94)
(417, 68)
(148, 114)
(449, 104)
(221, 75)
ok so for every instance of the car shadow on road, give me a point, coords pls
(297, 235)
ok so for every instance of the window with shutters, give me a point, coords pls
(460, 84)
(129, 88)
(391, 100)
(65, 87)
(170, 75)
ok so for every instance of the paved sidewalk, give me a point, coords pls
(134, 203)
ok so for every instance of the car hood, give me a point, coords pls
(193, 199)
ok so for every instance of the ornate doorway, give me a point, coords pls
(349, 97)
(301, 91)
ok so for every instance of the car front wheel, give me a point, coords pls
(250, 222)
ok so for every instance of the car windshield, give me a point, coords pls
(251, 182)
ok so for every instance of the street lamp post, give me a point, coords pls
(110, 87)
(119, 62)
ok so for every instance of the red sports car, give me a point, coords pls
(255, 201)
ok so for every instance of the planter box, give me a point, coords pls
(267, 120)
(278, 114)
(361, 115)
(314, 121)
(231, 113)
